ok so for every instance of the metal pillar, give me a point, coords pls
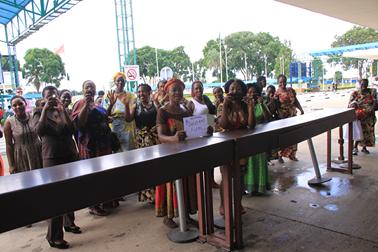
(318, 180)
(182, 234)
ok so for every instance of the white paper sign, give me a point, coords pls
(195, 126)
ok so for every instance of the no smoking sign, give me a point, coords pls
(132, 72)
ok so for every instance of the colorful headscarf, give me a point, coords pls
(119, 74)
(170, 83)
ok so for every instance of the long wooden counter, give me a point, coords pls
(40, 194)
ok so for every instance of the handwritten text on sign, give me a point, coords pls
(195, 126)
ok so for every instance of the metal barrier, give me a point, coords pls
(80, 184)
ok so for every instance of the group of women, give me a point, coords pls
(53, 134)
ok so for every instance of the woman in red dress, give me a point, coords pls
(287, 107)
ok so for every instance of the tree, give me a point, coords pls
(43, 66)
(180, 63)
(176, 59)
(211, 57)
(283, 59)
(338, 77)
(318, 70)
(247, 53)
(356, 35)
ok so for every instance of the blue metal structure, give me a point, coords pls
(341, 50)
(21, 18)
(125, 33)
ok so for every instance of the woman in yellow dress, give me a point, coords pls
(117, 111)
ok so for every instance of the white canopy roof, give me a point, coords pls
(361, 12)
(371, 54)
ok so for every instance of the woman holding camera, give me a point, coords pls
(93, 134)
(55, 129)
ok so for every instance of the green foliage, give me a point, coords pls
(356, 35)
(338, 77)
(283, 59)
(6, 63)
(43, 66)
(318, 70)
(247, 53)
(176, 59)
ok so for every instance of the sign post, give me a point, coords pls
(132, 75)
(166, 73)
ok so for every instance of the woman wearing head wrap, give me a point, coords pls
(144, 114)
(123, 129)
(171, 130)
(287, 107)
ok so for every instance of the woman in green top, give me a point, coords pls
(256, 178)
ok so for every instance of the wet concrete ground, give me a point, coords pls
(340, 215)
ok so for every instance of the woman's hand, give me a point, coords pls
(88, 97)
(12, 169)
(112, 97)
(181, 135)
(210, 131)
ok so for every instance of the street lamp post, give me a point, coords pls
(220, 58)
(245, 65)
(225, 52)
(266, 67)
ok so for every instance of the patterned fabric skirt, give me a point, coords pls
(144, 138)
(289, 152)
(367, 125)
(166, 198)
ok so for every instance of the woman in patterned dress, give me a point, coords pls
(237, 113)
(92, 131)
(144, 113)
(171, 130)
(287, 107)
(365, 103)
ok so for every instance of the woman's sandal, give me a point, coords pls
(364, 150)
(169, 223)
(73, 229)
(59, 244)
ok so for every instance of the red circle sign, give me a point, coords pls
(131, 74)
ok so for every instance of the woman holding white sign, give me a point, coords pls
(171, 130)
(200, 104)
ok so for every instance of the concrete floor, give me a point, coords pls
(341, 215)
